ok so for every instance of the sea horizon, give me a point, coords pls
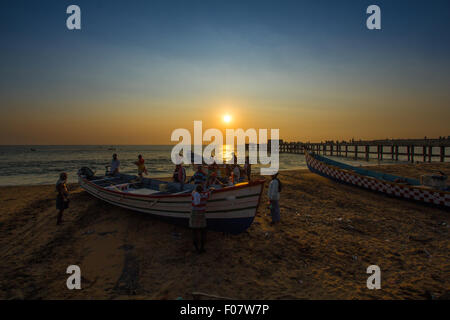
(42, 164)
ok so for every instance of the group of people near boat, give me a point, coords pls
(204, 178)
(213, 174)
(207, 175)
(62, 197)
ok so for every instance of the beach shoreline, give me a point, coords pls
(379, 165)
(328, 236)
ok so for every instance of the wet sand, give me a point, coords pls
(329, 234)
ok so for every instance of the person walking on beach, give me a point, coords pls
(197, 220)
(274, 198)
(62, 198)
(141, 166)
(115, 164)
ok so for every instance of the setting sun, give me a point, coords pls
(227, 118)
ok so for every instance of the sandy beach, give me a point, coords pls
(329, 234)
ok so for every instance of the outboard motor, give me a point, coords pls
(87, 172)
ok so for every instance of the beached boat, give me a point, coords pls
(401, 187)
(229, 209)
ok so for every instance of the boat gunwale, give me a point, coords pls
(226, 189)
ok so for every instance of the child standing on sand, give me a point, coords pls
(274, 198)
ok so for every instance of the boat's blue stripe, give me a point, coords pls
(365, 172)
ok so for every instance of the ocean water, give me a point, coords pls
(31, 165)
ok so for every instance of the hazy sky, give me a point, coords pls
(139, 69)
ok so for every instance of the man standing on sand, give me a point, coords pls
(274, 198)
(62, 198)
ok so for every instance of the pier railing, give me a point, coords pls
(426, 150)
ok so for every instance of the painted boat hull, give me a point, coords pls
(404, 191)
(229, 210)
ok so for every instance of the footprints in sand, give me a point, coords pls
(123, 254)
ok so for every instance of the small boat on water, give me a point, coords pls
(229, 209)
(401, 187)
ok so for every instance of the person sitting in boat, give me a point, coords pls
(115, 164)
(236, 174)
(141, 166)
(197, 220)
(228, 170)
(213, 180)
(179, 175)
(62, 198)
(212, 169)
(199, 177)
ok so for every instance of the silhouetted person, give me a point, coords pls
(248, 169)
(62, 198)
(115, 164)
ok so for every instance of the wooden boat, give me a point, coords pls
(229, 209)
(401, 187)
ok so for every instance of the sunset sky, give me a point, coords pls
(137, 70)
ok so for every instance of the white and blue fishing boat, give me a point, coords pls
(406, 188)
(229, 209)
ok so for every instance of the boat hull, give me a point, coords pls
(229, 210)
(404, 191)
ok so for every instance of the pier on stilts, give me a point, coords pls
(412, 150)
